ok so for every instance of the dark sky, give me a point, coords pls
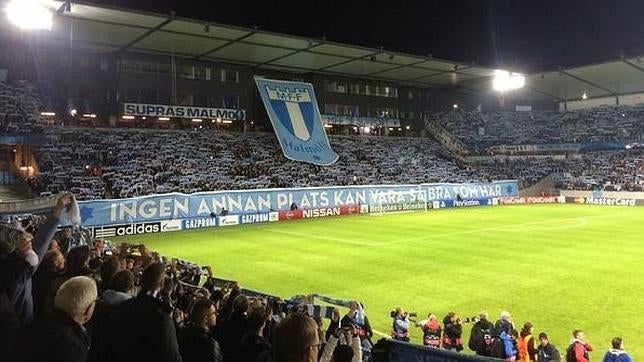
(529, 35)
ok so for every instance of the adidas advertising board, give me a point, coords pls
(124, 230)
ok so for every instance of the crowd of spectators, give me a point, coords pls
(19, 108)
(61, 300)
(481, 130)
(102, 163)
(66, 299)
(609, 171)
(105, 163)
(118, 163)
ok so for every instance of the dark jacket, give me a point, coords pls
(503, 326)
(252, 346)
(100, 324)
(17, 273)
(548, 353)
(59, 339)
(482, 337)
(452, 333)
(231, 332)
(41, 282)
(143, 331)
(197, 345)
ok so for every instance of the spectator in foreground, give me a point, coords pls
(77, 264)
(296, 339)
(51, 268)
(196, 344)
(232, 330)
(357, 318)
(578, 350)
(63, 337)
(349, 351)
(482, 336)
(20, 256)
(253, 344)
(547, 352)
(617, 353)
(121, 289)
(143, 329)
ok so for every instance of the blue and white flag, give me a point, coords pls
(294, 113)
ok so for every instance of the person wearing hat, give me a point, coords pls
(547, 352)
(20, 256)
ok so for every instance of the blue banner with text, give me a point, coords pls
(210, 204)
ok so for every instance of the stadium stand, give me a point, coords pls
(99, 163)
(481, 130)
(20, 106)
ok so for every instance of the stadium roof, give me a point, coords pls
(104, 29)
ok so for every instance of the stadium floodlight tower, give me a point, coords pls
(506, 81)
(29, 14)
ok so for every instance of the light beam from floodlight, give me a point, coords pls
(506, 81)
(29, 15)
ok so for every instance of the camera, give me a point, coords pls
(393, 314)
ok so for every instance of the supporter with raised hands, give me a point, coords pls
(343, 346)
(20, 257)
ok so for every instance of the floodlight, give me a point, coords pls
(455, 106)
(29, 14)
(584, 96)
(505, 81)
(73, 112)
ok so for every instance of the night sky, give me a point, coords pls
(529, 35)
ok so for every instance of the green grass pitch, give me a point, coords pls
(560, 267)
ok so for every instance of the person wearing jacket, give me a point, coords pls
(504, 323)
(63, 337)
(120, 290)
(400, 326)
(432, 331)
(547, 352)
(527, 349)
(51, 267)
(254, 343)
(142, 329)
(579, 350)
(452, 332)
(509, 345)
(357, 318)
(196, 344)
(20, 257)
(482, 336)
(617, 353)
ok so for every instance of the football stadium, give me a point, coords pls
(183, 186)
